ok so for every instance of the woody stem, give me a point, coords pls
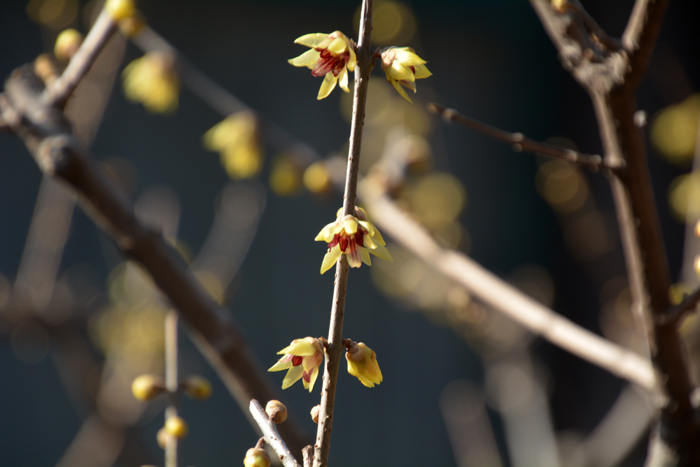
(334, 348)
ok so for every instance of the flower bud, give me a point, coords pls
(560, 5)
(276, 411)
(67, 44)
(163, 437)
(697, 229)
(120, 9)
(44, 69)
(315, 413)
(132, 25)
(176, 427)
(146, 387)
(256, 457)
(696, 265)
(197, 387)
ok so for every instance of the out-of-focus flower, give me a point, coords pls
(331, 55)
(176, 426)
(362, 363)
(403, 67)
(356, 237)
(256, 457)
(302, 358)
(67, 44)
(152, 80)
(316, 178)
(285, 176)
(237, 140)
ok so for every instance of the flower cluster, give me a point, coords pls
(356, 237)
(331, 56)
(403, 67)
(302, 358)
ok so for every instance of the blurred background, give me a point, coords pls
(454, 371)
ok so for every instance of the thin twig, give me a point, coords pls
(676, 313)
(80, 64)
(272, 437)
(171, 384)
(520, 142)
(334, 348)
(488, 288)
(308, 455)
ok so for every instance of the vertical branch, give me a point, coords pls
(334, 349)
(171, 384)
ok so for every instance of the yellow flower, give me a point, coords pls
(152, 80)
(236, 139)
(356, 237)
(331, 55)
(362, 363)
(403, 67)
(302, 358)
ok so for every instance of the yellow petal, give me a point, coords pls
(327, 86)
(350, 225)
(400, 90)
(281, 365)
(365, 257)
(312, 379)
(307, 59)
(381, 252)
(407, 57)
(326, 234)
(293, 375)
(354, 260)
(330, 259)
(338, 46)
(422, 72)
(343, 79)
(400, 72)
(311, 40)
(353, 59)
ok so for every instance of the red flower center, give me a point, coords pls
(348, 241)
(297, 359)
(330, 63)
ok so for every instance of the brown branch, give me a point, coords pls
(502, 296)
(334, 348)
(611, 85)
(272, 437)
(520, 142)
(675, 314)
(47, 136)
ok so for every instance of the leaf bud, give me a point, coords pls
(314, 413)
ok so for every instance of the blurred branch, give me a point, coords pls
(80, 64)
(520, 142)
(611, 79)
(334, 349)
(676, 313)
(171, 385)
(272, 437)
(482, 284)
(48, 138)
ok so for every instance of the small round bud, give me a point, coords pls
(120, 9)
(314, 413)
(560, 5)
(697, 229)
(146, 387)
(67, 44)
(132, 25)
(256, 457)
(163, 437)
(696, 265)
(197, 387)
(176, 427)
(276, 411)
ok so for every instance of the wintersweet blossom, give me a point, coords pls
(236, 138)
(152, 80)
(302, 358)
(362, 363)
(331, 55)
(403, 67)
(356, 237)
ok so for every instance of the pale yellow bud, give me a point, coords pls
(163, 437)
(256, 457)
(120, 9)
(67, 44)
(276, 411)
(176, 427)
(696, 265)
(146, 387)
